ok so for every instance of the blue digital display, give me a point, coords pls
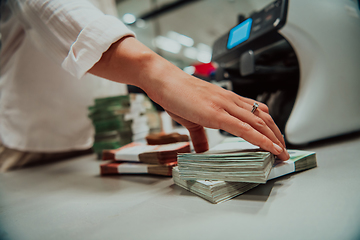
(239, 34)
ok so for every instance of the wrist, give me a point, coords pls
(129, 61)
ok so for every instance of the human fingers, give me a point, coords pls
(263, 113)
(250, 101)
(199, 139)
(271, 124)
(244, 130)
(197, 133)
(259, 125)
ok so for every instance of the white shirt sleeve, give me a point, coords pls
(74, 33)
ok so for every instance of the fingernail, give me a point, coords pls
(287, 153)
(278, 148)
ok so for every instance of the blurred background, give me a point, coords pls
(183, 31)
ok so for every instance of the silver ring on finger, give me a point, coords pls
(255, 106)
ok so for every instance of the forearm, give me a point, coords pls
(129, 61)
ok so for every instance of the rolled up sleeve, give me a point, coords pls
(72, 32)
(91, 42)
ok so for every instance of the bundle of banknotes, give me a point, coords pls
(210, 176)
(116, 168)
(213, 191)
(240, 166)
(140, 158)
(120, 120)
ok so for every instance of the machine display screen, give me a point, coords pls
(239, 34)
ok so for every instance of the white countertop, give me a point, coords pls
(69, 200)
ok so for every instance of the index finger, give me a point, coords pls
(244, 130)
(264, 115)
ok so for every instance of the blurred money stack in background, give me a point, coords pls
(120, 120)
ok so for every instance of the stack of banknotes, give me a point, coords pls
(120, 120)
(211, 176)
(111, 129)
(140, 158)
(213, 191)
(240, 166)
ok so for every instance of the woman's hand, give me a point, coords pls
(195, 104)
(192, 102)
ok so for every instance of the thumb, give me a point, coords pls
(197, 133)
(199, 139)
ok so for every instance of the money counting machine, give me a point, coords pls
(301, 58)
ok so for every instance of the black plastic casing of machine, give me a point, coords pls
(260, 63)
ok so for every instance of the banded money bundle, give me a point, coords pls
(136, 158)
(207, 175)
(120, 120)
(242, 166)
(212, 190)
(116, 168)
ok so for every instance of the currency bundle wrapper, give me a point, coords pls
(113, 167)
(213, 186)
(151, 154)
(139, 158)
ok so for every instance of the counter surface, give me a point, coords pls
(69, 200)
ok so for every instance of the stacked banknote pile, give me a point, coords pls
(140, 158)
(144, 118)
(213, 191)
(122, 119)
(107, 116)
(217, 189)
(116, 168)
(241, 166)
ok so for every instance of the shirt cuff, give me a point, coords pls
(92, 42)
